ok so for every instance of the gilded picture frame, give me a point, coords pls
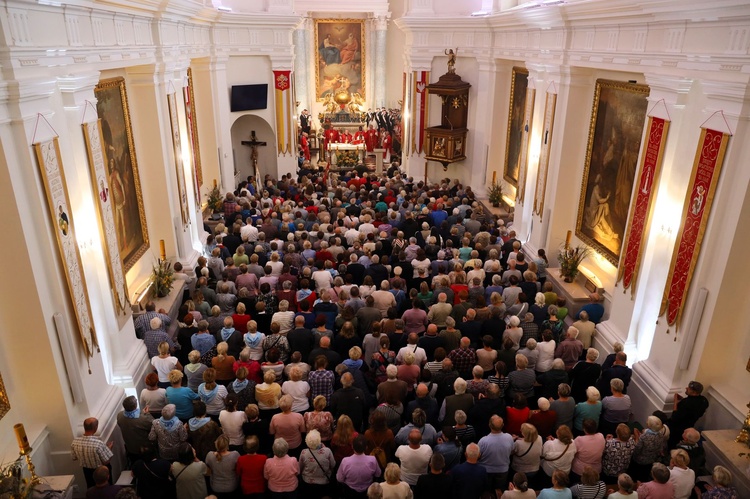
(4, 400)
(92, 134)
(519, 83)
(122, 170)
(174, 130)
(618, 117)
(192, 128)
(339, 57)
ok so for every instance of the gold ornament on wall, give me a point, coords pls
(4, 402)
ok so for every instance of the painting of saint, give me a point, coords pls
(122, 171)
(514, 137)
(340, 62)
(617, 121)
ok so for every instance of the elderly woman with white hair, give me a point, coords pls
(590, 409)
(316, 464)
(543, 419)
(168, 432)
(281, 471)
(284, 318)
(681, 476)
(531, 353)
(615, 408)
(722, 488)
(546, 349)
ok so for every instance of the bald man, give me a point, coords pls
(425, 402)
(90, 451)
(415, 458)
(324, 349)
(470, 477)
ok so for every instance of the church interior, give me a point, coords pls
(568, 103)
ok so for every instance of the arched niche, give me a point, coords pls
(242, 129)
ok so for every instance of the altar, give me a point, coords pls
(341, 154)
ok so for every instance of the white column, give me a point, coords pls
(379, 58)
(480, 125)
(219, 89)
(302, 64)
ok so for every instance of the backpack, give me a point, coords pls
(379, 454)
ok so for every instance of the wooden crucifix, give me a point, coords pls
(253, 144)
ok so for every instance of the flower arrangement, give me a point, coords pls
(12, 483)
(570, 258)
(347, 158)
(215, 200)
(162, 278)
(495, 194)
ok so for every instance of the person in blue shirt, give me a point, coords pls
(559, 489)
(181, 396)
(594, 309)
(496, 449)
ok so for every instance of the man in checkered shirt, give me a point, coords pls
(142, 322)
(464, 358)
(90, 451)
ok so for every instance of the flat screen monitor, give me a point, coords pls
(249, 97)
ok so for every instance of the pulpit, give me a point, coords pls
(446, 143)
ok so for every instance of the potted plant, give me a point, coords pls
(162, 278)
(215, 201)
(495, 194)
(570, 258)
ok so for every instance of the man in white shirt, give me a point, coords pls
(383, 298)
(420, 356)
(248, 232)
(415, 458)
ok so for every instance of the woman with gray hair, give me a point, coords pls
(284, 318)
(168, 432)
(316, 464)
(281, 471)
(615, 408)
(660, 486)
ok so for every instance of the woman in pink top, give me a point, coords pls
(589, 449)
(281, 470)
(288, 425)
(415, 319)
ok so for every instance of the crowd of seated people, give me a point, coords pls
(380, 337)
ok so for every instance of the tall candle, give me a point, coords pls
(23, 441)
(567, 238)
(215, 184)
(162, 249)
(494, 177)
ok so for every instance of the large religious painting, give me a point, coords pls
(340, 60)
(122, 170)
(518, 84)
(617, 120)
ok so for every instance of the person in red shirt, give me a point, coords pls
(371, 139)
(346, 137)
(304, 145)
(249, 469)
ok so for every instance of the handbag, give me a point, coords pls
(558, 457)
(328, 477)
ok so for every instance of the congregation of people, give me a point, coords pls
(381, 337)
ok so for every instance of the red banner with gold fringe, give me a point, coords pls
(696, 210)
(640, 215)
(419, 111)
(282, 85)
